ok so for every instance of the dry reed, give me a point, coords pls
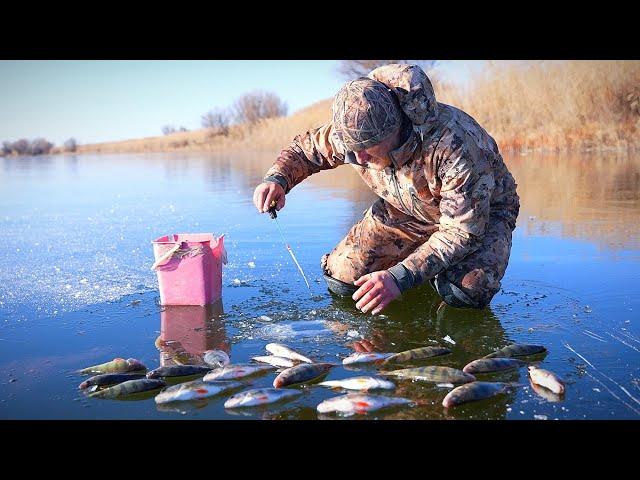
(552, 105)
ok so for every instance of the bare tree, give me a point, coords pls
(70, 145)
(40, 146)
(183, 129)
(168, 129)
(351, 69)
(255, 106)
(217, 120)
(21, 147)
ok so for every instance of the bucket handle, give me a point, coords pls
(178, 252)
(166, 257)
(175, 251)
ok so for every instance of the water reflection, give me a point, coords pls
(578, 195)
(95, 219)
(545, 393)
(72, 163)
(186, 332)
(37, 166)
(583, 196)
(422, 319)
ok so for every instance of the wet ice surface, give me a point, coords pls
(76, 290)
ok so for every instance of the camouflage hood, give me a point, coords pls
(414, 91)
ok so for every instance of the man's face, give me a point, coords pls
(377, 157)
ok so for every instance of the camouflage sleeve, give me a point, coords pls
(316, 150)
(464, 206)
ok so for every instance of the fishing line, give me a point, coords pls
(274, 215)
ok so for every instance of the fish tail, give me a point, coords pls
(89, 370)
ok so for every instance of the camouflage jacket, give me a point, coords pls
(450, 175)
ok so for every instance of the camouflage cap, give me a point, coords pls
(365, 112)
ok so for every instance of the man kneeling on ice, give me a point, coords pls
(447, 206)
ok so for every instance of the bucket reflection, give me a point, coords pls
(187, 331)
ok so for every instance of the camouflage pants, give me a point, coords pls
(386, 236)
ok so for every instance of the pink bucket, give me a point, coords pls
(189, 268)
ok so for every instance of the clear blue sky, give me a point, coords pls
(97, 100)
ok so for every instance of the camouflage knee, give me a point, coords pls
(481, 284)
(335, 286)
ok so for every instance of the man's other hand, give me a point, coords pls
(376, 291)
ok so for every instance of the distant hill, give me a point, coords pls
(269, 135)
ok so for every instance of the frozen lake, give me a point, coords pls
(76, 287)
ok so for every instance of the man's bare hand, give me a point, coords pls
(376, 291)
(267, 192)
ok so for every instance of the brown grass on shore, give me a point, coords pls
(555, 105)
(270, 135)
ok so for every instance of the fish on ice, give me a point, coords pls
(365, 358)
(475, 391)
(517, 350)
(435, 374)
(363, 384)
(108, 379)
(195, 390)
(178, 371)
(275, 361)
(280, 350)
(357, 403)
(486, 365)
(546, 379)
(117, 365)
(233, 372)
(261, 396)
(301, 373)
(417, 354)
(129, 387)
(216, 358)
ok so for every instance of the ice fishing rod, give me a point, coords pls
(274, 215)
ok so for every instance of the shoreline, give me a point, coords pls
(159, 146)
(581, 149)
(273, 135)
